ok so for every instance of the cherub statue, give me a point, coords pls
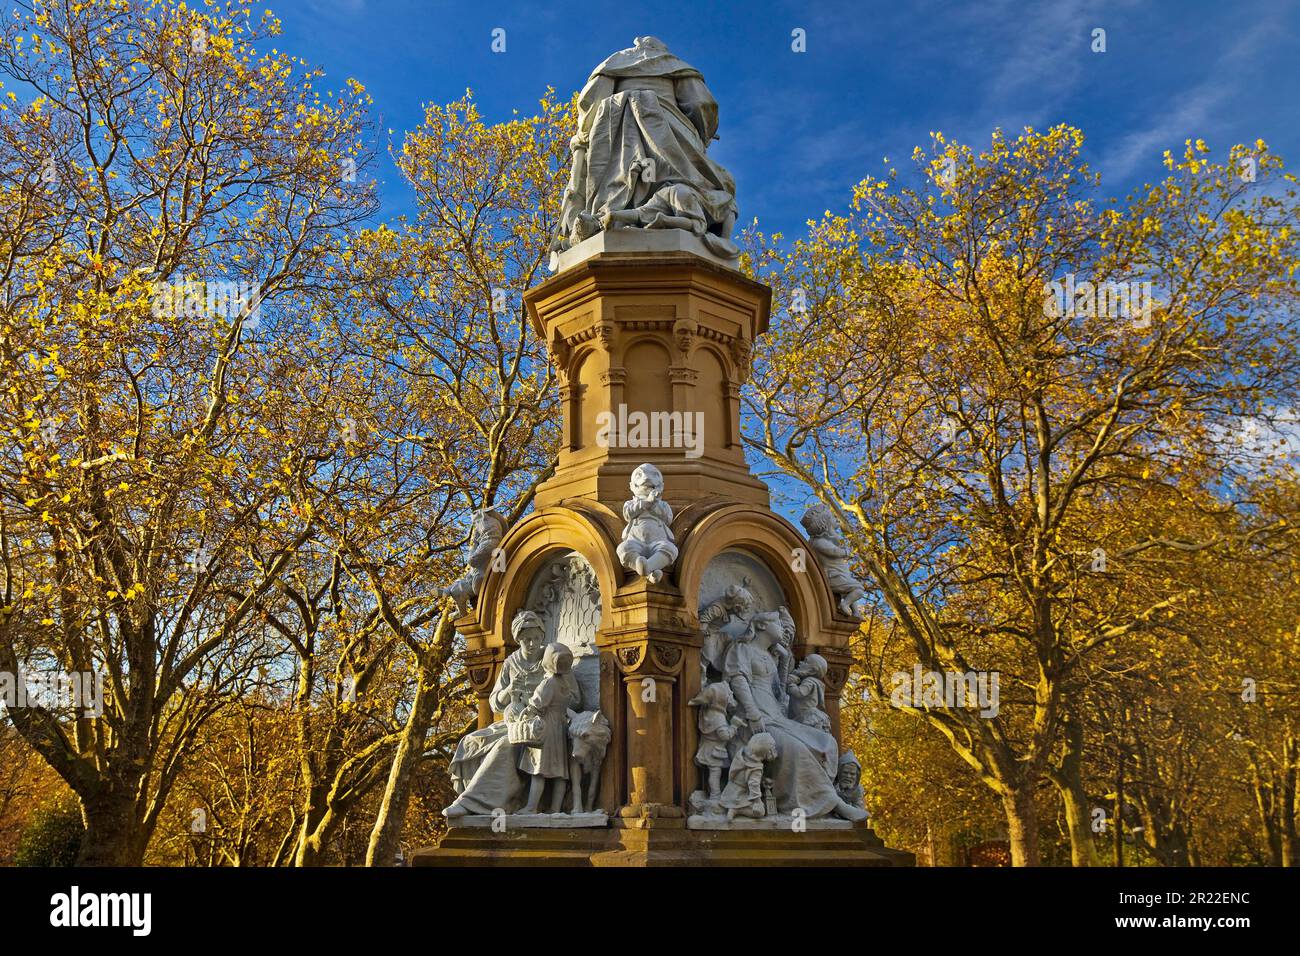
(716, 731)
(743, 796)
(848, 780)
(807, 687)
(486, 532)
(590, 734)
(819, 522)
(647, 547)
(548, 758)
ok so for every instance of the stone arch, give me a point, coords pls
(529, 546)
(773, 541)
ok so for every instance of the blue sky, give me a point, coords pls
(798, 129)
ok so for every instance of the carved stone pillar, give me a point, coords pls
(837, 674)
(650, 670)
(733, 424)
(571, 399)
(614, 379)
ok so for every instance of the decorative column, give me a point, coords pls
(650, 669)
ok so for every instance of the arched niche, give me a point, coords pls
(712, 398)
(565, 593)
(648, 388)
(782, 551)
(738, 566)
(585, 402)
(531, 547)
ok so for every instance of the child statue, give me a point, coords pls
(486, 532)
(548, 759)
(715, 732)
(819, 522)
(807, 687)
(848, 780)
(647, 547)
(743, 795)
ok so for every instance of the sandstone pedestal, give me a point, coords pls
(665, 333)
(653, 846)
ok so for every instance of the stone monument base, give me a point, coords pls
(782, 821)
(547, 821)
(667, 843)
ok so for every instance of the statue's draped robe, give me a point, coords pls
(807, 759)
(644, 106)
(485, 769)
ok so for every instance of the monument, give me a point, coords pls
(658, 656)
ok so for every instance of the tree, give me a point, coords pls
(174, 190)
(966, 418)
(442, 318)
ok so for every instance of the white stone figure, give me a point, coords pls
(647, 547)
(848, 781)
(567, 597)
(807, 686)
(485, 768)
(803, 774)
(645, 121)
(590, 734)
(546, 756)
(716, 731)
(736, 603)
(487, 530)
(743, 795)
(833, 555)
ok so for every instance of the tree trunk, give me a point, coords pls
(1078, 822)
(386, 834)
(1265, 794)
(1022, 825)
(318, 825)
(1068, 778)
(1290, 842)
(113, 834)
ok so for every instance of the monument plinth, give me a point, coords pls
(658, 656)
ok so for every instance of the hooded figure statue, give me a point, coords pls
(645, 120)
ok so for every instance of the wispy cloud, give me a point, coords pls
(1188, 113)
